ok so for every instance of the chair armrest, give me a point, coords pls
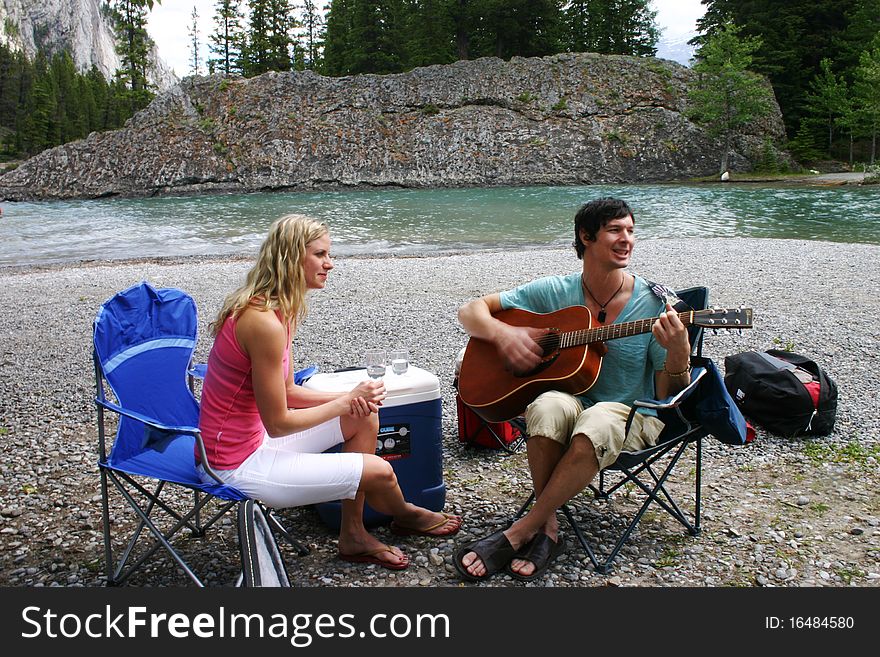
(151, 422)
(198, 370)
(166, 428)
(674, 400)
(671, 402)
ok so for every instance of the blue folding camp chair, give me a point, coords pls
(143, 345)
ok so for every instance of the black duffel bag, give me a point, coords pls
(784, 392)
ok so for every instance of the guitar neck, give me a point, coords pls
(614, 331)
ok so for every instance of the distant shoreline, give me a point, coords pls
(220, 258)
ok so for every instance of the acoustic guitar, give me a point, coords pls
(570, 362)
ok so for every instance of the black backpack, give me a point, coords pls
(784, 392)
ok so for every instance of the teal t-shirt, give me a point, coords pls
(628, 368)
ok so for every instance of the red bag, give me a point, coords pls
(475, 430)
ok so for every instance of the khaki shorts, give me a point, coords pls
(559, 416)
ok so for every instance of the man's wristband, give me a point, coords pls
(677, 375)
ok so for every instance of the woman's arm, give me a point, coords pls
(264, 340)
(300, 397)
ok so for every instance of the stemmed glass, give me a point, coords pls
(375, 360)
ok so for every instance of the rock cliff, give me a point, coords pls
(565, 119)
(79, 26)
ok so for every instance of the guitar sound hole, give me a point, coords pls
(549, 343)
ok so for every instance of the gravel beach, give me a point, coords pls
(778, 512)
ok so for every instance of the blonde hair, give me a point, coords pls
(276, 281)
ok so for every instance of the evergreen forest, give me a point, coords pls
(821, 58)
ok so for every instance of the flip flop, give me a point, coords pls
(370, 556)
(542, 551)
(495, 551)
(401, 530)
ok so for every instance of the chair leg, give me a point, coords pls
(276, 525)
(199, 530)
(582, 539)
(657, 494)
(698, 487)
(105, 519)
(161, 538)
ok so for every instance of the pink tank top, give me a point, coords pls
(229, 420)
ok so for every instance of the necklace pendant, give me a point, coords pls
(602, 316)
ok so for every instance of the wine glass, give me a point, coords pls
(399, 361)
(375, 360)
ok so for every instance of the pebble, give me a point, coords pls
(791, 509)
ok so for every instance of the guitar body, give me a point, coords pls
(497, 395)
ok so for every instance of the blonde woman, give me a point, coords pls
(266, 436)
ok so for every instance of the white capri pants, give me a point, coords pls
(293, 471)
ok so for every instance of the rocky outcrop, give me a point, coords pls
(81, 27)
(565, 119)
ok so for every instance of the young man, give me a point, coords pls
(573, 437)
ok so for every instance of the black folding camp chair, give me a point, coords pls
(650, 469)
(143, 344)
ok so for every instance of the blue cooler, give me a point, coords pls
(410, 437)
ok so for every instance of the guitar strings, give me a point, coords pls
(555, 339)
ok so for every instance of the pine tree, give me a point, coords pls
(430, 31)
(280, 35)
(195, 67)
(795, 36)
(619, 27)
(365, 36)
(462, 14)
(339, 21)
(826, 100)
(508, 28)
(867, 92)
(312, 26)
(727, 95)
(133, 46)
(257, 48)
(227, 40)
(862, 23)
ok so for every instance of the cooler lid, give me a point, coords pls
(416, 385)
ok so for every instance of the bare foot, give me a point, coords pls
(368, 546)
(526, 568)
(427, 523)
